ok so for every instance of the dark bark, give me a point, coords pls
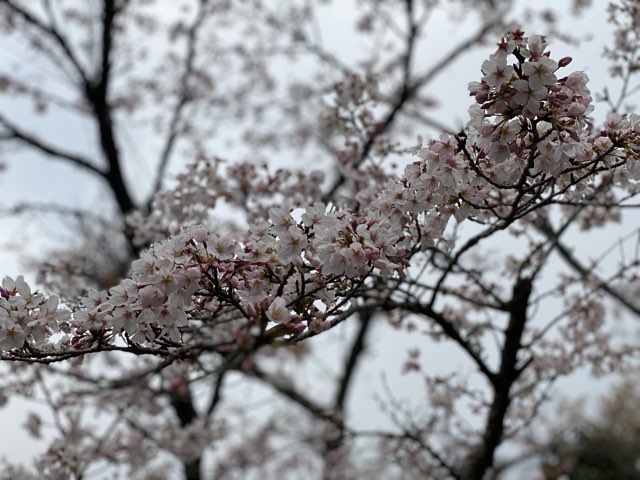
(97, 92)
(481, 460)
(182, 403)
(358, 347)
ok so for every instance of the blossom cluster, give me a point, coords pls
(230, 288)
(207, 183)
(530, 134)
(298, 266)
(527, 118)
(26, 314)
(277, 277)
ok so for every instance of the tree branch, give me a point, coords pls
(356, 350)
(334, 441)
(295, 396)
(96, 92)
(545, 227)
(406, 435)
(434, 71)
(183, 98)
(51, 33)
(450, 330)
(409, 88)
(184, 408)
(406, 92)
(217, 393)
(14, 133)
(482, 459)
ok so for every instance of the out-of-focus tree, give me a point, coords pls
(304, 204)
(604, 448)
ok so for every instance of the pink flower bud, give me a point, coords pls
(563, 62)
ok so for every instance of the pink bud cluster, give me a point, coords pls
(525, 118)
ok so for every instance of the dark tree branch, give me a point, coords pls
(545, 227)
(450, 330)
(297, 397)
(95, 89)
(429, 121)
(406, 91)
(217, 393)
(14, 133)
(182, 403)
(356, 350)
(414, 438)
(348, 374)
(409, 88)
(448, 59)
(97, 92)
(481, 460)
(183, 406)
(50, 32)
